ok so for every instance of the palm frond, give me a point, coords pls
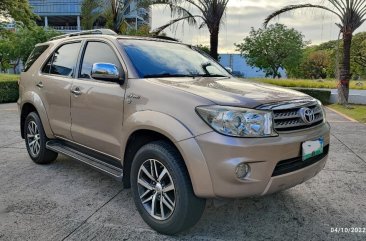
(179, 12)
(294, 7)
(191, 19)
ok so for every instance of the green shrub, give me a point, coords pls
(322, 95)
(8, 91)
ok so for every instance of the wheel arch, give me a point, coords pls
(32, 102)
(165, 127)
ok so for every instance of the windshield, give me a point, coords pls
(163, 59)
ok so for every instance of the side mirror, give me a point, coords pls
(228, 69)
(107, 72)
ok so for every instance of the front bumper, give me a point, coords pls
(223, 154)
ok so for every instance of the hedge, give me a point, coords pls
(9, 91)
(322, 95)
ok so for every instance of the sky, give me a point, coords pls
(318, 26)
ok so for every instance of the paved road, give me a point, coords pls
(69, 201)
(351, 92)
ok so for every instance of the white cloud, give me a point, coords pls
(317, 26)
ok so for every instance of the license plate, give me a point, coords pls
(312, 148)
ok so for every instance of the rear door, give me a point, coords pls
(97, 109)
(54, 83)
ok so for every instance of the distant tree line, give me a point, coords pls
(320, 61)
(279, 47)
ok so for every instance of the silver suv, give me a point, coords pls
(168, 121)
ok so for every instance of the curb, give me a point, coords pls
(341, 114)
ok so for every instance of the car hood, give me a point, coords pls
(232, 91)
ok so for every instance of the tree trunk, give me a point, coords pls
(275, 73)
(345, 71)
(214, 42)
(15, 66)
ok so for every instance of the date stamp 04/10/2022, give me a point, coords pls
(348, 230)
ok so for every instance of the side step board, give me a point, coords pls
(61, 147)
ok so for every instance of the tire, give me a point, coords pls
(34, 133)
(187, 208)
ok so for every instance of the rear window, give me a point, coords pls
(37, 51)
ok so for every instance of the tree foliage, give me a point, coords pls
(316, 64)
(358, 55)
(19, 10)
(90, 12)
(17, 46)
(320, 61)
(112, 12)
(351, 14)
(273, 48)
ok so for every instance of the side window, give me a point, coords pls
(64, 60)
(47, 67)
(97, 52)
(36, 53)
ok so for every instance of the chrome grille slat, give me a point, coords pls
(288, 117)
(294, 123)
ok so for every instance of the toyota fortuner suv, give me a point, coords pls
(168, 121)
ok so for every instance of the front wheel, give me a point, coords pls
(162, 189)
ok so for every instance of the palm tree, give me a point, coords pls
(352, 15)
(210, 13)
(113, 11)
(90, 11)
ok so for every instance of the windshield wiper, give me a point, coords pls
(212, 75)
(168, 75)
(162, 75)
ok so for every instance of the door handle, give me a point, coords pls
(76, 91)
(40, 84)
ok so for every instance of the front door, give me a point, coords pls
(97, 106)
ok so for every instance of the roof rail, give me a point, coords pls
(165, 38)
(87, 32)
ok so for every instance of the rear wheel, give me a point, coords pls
(162, 189)
(35, 140)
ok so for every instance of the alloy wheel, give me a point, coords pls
(156, 189)
(33, 139)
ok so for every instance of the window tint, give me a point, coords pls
(164, 59)
(37, 51)
(64, 59)
(97, 52)
(47, 67)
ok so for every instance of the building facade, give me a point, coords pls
(65, 15)
(241, 68)
(62, 15)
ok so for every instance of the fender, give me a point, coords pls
(182, 138)
(155, 121)
(32, 98)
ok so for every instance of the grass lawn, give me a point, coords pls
(7, 77)
(358, 112)
(306, 83)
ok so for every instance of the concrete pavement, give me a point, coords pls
(69, 201)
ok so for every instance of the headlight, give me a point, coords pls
(239, 122)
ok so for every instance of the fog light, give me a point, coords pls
(242, 170)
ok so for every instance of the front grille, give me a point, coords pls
(290, 119)
(297, 163)
(287, 115)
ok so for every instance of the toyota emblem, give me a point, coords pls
(307, 115)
